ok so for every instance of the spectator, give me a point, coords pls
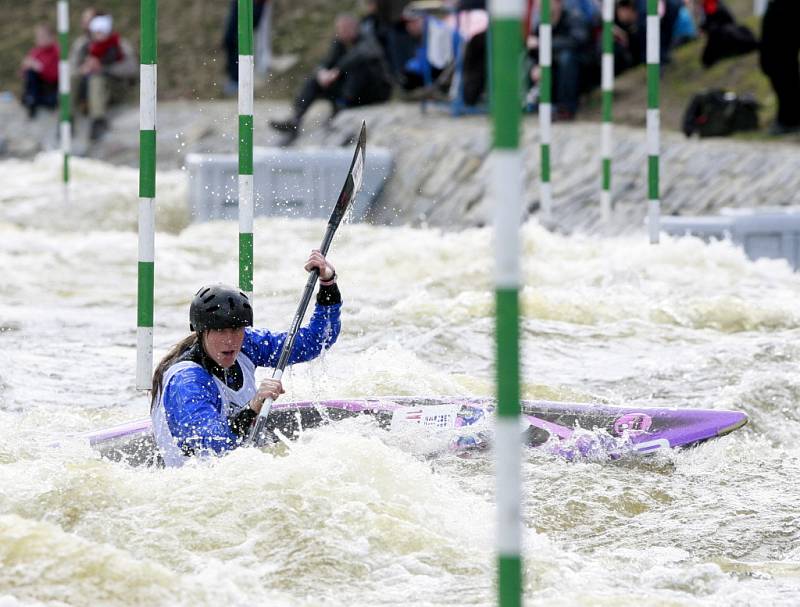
(570, 48)
(40, 71)
(629, 40)
(780, 46)
(386, 21)
(106, 64)
(685, 29)
(354, 73)
(231, 43)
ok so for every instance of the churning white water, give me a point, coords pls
(354, 516)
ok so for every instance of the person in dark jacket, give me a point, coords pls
(204, 396)
(780, 46)
(354, 73)
(40, 72)
(570, 43)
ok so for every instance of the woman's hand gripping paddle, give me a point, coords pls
(352, 185)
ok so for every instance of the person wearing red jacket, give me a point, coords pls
(40, 72)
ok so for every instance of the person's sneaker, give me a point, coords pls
(97, 128)
(285, 126)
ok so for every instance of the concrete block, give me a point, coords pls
(303, 182)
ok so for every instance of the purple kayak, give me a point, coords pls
(570, 430)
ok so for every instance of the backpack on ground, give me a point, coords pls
(718, 113)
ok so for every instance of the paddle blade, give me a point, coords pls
(354, 180)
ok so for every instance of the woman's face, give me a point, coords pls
(223, 345)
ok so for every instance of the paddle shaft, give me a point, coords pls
(352, 185)
(288, 344)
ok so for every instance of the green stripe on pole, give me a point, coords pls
(653, 70)
(652, 177)
(245, 145)
(510, 580)
(246, 262)
(245, 25)
(606, 173)
(147, 164)
(546, 85)
(146, 284)
(149, 31)
(608, 99)
(545, 162)
(506, 49)
(63, 107)
(507, 327)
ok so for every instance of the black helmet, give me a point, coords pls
(219, 307)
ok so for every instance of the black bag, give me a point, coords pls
(717, 113)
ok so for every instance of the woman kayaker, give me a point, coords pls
(204, 397)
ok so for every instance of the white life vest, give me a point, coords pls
(233, 401)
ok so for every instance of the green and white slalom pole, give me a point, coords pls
(653, 118)
(147, 192)
(607, 86)
(64, 101)
(506, 53)
(246, 208)
(545, 106)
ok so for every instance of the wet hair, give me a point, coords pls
(169, 359)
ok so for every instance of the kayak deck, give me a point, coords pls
(570, 430)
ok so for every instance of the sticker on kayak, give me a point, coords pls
(632, 423)
(436, 417)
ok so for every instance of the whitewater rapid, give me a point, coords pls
(354, 516)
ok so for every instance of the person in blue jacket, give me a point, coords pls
(204, 398)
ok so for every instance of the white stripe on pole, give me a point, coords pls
(504, 9)
(545, 45)
(246, 84)
(608, 10)
(653, 219)
(144, 358)
(147, 97)
(653, 39)
(607, 70)
(246, 204)
(507, 192)
(65, 130)
(63, 77)
(63, 16)
(653, 127)
(147, 229)
(508, 448)
(606, 133)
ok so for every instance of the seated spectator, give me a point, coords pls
(354, 73)
(780, 47)
(629, 40)
(107, 65)
(40, 72)
(685, 29)
(571, 46)
(418, 71)
(385, 19)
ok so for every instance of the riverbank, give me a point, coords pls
(442, 171)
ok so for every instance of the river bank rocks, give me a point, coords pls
(442, 167)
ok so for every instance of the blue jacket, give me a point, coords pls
(192, 402)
